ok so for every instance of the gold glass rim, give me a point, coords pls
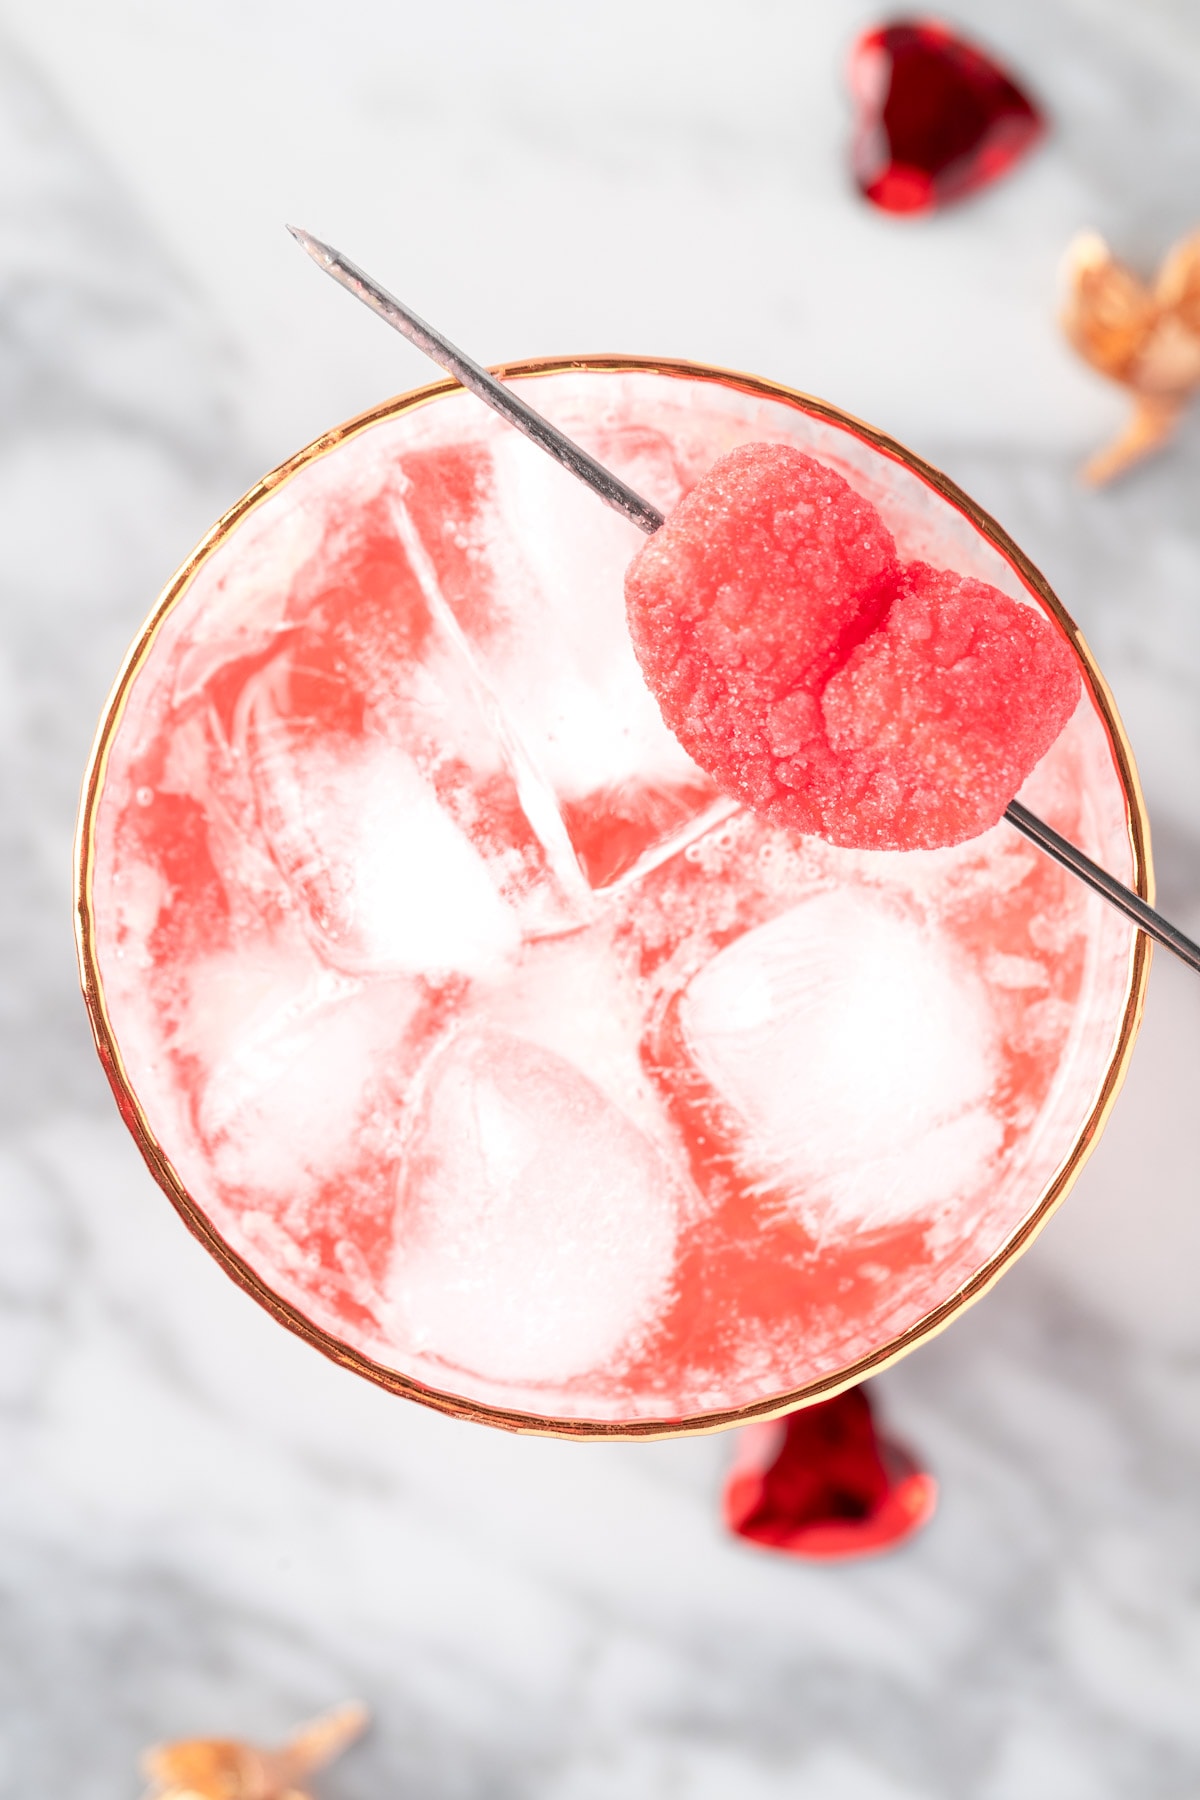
(289, 1315)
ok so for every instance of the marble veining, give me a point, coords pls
(204, 1527)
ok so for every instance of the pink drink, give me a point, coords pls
(478, 1035)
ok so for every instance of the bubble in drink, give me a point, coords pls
(516, 1063)
(828, 684)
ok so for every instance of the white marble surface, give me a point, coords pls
(203, 1525)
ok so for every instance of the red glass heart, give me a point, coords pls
(937, 118)
(822, 1483)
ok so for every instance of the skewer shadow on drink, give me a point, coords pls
(481, 1034)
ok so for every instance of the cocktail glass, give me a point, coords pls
(477, 1035)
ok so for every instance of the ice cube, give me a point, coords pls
(384, 876)
(296, 1054)
(857, 1054)
(536, 1225)
(551, 642)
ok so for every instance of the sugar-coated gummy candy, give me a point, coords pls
(825, 683)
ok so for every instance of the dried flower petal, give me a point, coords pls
(1147, 337)
(226, 1769)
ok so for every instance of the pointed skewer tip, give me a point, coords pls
(316, 249)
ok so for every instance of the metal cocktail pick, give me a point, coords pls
(623, 499)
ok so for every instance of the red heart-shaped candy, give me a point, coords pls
(936, 117)
(827, 684)
(822, 1483)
